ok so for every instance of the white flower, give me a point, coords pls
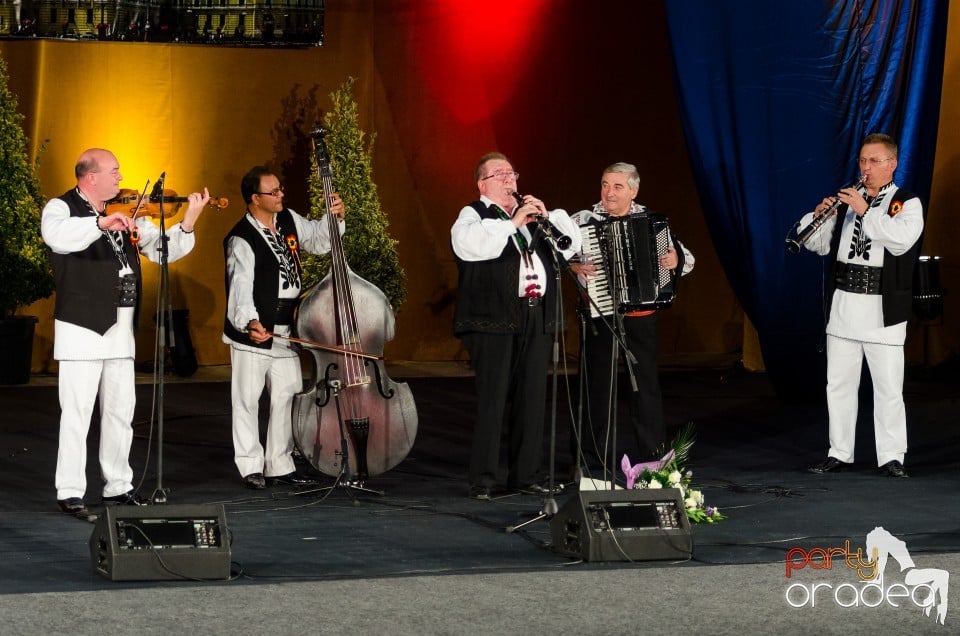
(654, 484)
(690, 503)
(674, 477)
(697, 496)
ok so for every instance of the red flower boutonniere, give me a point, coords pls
(294, 250)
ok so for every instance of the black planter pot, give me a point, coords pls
(16, 348)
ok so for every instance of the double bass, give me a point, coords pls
(351, 419)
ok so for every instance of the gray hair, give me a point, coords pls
(633, 177)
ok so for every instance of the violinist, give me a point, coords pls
(96, 269)
(263, 283)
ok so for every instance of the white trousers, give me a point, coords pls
(844, 363)
(251, 371)
(79, 383)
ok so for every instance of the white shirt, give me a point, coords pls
(314, 237)
(476, 239)
(66, 234)
(860, 316)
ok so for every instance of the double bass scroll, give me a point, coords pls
(352, 419)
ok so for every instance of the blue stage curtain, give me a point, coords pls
(775, 99)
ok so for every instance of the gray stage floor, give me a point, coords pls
(423, 551)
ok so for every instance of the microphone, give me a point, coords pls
(549, 229)
(158, 187)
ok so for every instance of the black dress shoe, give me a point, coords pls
(893, 469)
(254, 481)
(541, 489)
(129, 498)
(292, 479)
(480, 493)
(829, 465)
(75, 507)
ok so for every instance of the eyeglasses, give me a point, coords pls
(873, 161)
(502, 176)
(273, 193)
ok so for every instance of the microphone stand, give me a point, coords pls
(614, 327)
(618, 344)
(166, 304)
(583, 315)
(613, 409)
(550, 508)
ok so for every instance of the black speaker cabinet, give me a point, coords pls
(623, 525)
(149, 543)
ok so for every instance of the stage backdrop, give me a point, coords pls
(563, 87)
(776, 99)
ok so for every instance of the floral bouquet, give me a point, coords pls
(668, 472)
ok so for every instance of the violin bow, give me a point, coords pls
(140, 201)
(135, 232)
(316, 345)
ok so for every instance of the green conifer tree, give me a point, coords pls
(369, 249)
(24, 261)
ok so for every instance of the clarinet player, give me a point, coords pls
(506, 280)
(872, 242)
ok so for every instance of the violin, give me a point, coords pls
(128, 202)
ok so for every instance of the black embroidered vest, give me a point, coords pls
(896, 284)
(87, 281)
(266, 275)
(487, 298)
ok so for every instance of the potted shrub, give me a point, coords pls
(24, 262)
(369, 248)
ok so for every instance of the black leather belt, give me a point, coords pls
(858, 279)
(286, 308)
(531, 301)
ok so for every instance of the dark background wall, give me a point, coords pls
(562, 87)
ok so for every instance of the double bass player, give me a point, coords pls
(262, 285)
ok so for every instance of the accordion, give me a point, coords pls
(626, 252)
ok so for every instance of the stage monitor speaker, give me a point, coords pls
(149, 543)
(623, 525)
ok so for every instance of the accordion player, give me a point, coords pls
(625, 252)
